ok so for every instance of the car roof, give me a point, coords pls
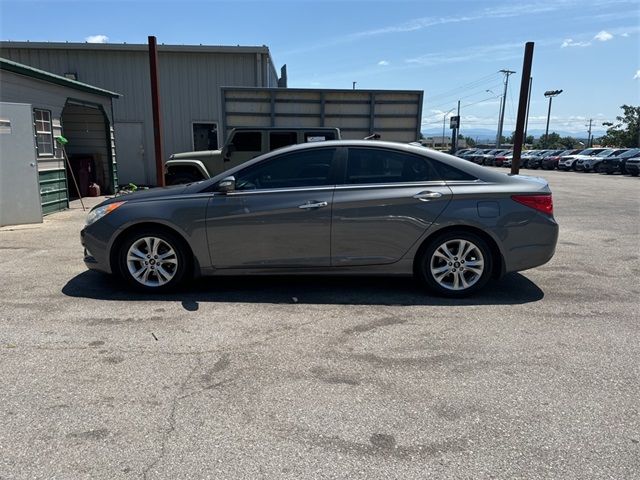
(464, 165)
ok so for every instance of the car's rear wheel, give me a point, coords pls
(153, 261)
(456, 264)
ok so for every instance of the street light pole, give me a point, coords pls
(444, 118)
(549, 94)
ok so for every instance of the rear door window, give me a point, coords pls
(376, 165)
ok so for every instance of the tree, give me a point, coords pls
(470, 141)
(547, 141)
(626, 131)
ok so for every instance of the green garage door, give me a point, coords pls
(53, 190)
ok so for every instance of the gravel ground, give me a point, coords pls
(536, 377)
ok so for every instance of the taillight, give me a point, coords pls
(542, 203)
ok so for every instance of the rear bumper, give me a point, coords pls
(531, 245)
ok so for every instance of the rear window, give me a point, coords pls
(447, 172)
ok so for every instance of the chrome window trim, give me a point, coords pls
(358, 186)
(236, 193)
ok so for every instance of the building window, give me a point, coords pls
(44, 133)
(205, 136)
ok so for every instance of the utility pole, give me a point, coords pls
(526, 120)
(155, 110)
(589, 137)
(518, 136)
(504, 103)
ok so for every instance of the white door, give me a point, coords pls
(130, 153)
(19, 187)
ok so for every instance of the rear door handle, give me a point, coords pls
(309, 205)
(427, 195)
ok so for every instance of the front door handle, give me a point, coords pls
(427, 195)
(309, 205)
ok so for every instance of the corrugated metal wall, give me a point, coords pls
(395, 115)
(190, 84)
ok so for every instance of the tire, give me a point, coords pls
(156, 276)
(181, 179)
(432, 261)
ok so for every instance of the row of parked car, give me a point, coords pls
(604, 160)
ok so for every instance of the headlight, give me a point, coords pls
(97, 213)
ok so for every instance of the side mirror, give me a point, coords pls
(228, 150)
(227, 184)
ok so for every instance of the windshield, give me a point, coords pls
(630, 153)
(605, 153)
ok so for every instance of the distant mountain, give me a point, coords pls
(484, 134)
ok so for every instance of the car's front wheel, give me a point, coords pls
(153, 261)
(456, 264)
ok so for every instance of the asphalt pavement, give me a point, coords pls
(538, 376)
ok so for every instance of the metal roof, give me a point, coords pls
(28, 71)
(137, 47)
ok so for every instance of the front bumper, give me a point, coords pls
(95, 253)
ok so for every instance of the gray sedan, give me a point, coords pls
(343, 207)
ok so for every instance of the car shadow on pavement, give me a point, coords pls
(513, 289)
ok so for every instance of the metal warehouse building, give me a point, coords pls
(190, 81)
(35, 107)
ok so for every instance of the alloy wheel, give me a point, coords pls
(152, 261)
(457, 264)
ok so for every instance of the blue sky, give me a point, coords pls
(449, 49)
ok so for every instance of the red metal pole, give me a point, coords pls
(518, 139)
(155, 105)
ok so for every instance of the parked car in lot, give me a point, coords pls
(591, 163)
(633, 166)
(477, 157)
(536, 161)
(617, 163)
(550, 162)
(568, 162)
(465, 151)
(527, 156)
(490, 158)
(336, 207)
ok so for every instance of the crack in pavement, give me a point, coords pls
(172, 421)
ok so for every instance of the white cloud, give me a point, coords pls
(625, 34)
(96, 39)
(637, 75)
(569, 42)
(383, 63)
(603, 36)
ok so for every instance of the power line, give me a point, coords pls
(473, 84)
(484, 90)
